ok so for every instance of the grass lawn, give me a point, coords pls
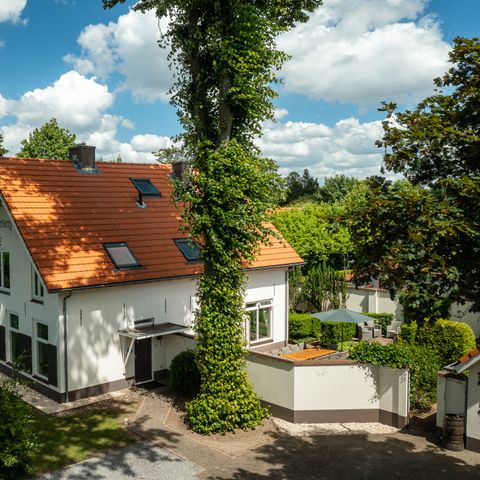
(68, 439)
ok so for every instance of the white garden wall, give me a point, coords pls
(331, 392)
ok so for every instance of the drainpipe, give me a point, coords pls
(65, 348)
(287, 295)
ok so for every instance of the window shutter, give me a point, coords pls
(26, 351)
(52, 365)
(2, 344)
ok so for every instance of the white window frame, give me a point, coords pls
(36, 364)
(37, 285)
(2, 280)
(257, 306)
(9, 336)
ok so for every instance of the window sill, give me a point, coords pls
(5, 292)
(36, 300)
(258, 343)
(41, 379)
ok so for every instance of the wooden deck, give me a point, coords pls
(308, 354)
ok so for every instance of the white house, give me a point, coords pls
(97, 283)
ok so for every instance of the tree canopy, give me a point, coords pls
(224, 57)
(424, 241)
(49, 141)
(336, 188)
(300, 186)
(3, 150)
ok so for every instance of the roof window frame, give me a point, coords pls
(125, 266)
(157, 192)
(180, 241)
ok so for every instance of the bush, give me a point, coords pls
(450, 339)
(383, 319)
(17, 434)
(422, 362)
(184, 377)
(331, 332)
(302, 327)
(408, 332)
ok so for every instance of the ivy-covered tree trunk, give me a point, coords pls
(225, 57)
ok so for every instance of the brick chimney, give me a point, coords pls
(83, 157)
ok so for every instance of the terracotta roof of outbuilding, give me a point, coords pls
(65, 217)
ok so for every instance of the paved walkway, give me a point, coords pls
(266, 453)
(144, 461)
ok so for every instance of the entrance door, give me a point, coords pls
(143, 360)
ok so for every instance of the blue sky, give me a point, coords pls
(102, 75)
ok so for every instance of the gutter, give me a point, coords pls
(65, 343)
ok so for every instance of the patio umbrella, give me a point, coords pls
(342, 315)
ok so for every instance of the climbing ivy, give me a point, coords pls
(224, 57)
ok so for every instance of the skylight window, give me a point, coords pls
(145, 187)
(121, 255)
(191, 251)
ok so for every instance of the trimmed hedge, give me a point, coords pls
(184, 377)
(423, 363)
(303, 327)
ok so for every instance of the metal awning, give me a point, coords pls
(152, 331)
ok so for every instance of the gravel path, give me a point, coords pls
(142, 461)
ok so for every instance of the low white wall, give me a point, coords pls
(320, 390)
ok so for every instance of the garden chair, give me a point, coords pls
(365, 332)
(275, 352)
(393, 330)
(295, 348)
(375, 327)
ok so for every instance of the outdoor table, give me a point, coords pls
(308, 354)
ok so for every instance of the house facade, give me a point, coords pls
(98, 284)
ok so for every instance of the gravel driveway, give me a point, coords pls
(142, 461)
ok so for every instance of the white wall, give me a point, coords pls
(19, 301)
(463, 313)
(373, 300)
(96, 315)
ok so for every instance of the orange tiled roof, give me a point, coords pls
(65, 217)
(469, 355)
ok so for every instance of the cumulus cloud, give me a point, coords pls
(348, 147)
(81, 105)
(365, 51)
(11, 10)
(128, 46)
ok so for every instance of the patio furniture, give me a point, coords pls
(308, 354)
(365, 332)
(295, 348)
(375, 327)
(393, 330)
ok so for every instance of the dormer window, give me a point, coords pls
(190, 250)
(121, 255)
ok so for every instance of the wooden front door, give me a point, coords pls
(143, 360)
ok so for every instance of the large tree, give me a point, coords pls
(225, 56)
(300, 187)
(49, 141)
(435, 226)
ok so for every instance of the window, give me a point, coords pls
(259, 320)
(145, 187)
(15, 340)
(38, 291)
(5, 270)
(42, 350)
(191, 251)
(121, 255)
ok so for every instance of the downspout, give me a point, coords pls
(65, 348)
(287, 306)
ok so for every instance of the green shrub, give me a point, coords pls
(422, 362)
(408, 332)
(17, 433)
(383, 319)
(302, 327)
(450, 339)
(184, 377)
(331, 332)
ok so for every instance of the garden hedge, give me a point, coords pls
(383, 319)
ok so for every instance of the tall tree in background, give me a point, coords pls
(225, 57)
(3, 150)
(436, 145)
(300, 186)
(336, 188)
(49, 141)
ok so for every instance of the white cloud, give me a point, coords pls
(365, 51)
(76, 101)
(128, 46)
(348, 147)
(11, 10)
